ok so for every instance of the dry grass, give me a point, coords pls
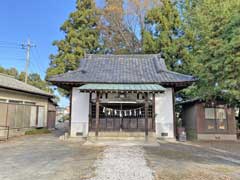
(223, 169)
(194, 174)
(172, 161)
(38, 131)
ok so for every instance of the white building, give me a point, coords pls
(61, 113)
(122, 93)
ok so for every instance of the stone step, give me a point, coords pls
(121, 135)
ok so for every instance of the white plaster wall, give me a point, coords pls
(164, 114)
(80, 112)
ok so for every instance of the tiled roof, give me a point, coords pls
(10, 82)
(122, 69)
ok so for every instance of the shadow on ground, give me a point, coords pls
(191, 161)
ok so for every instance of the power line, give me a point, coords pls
(10, 47)
(28, 47)
(12, 59)
(36, 67)
(8, 42)
(37, 57)
(38, 54)
(33, 67)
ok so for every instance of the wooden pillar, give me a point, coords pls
(7, 123)
(146, 114)
(90, 112)
(70, 111)
(37, 111)
(153, 111)
(121, 120)
(174, 114)
(97, 114)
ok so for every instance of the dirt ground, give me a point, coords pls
(228, 146)
(42, 157)
(194, 161)
(45, 157)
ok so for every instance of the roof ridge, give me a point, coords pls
(168, 71)
(119, 55)
(69, 72)
(159, 64)
(32, 86)
(25, 84)
(7, 75)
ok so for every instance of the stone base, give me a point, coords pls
(165, 130)
(79, 129)
(216, 137)
(121, 135)
(4, 134)
(160, 139)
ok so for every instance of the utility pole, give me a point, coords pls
(27, 46)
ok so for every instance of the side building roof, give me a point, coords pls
(122, 69)
(9, 82)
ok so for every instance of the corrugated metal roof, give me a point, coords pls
(122, 69)
(122, 87)
(10, 82)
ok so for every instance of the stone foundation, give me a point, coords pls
(226, 137)
(13, 132)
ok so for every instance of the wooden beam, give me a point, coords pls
(97, 114)
(146, 114)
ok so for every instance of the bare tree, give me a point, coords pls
(122, 24)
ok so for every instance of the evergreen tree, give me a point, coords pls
(81, 36)
(165, 35)
(215, 28)
(231, 76)
(11, 71)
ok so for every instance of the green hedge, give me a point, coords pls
(191, 134)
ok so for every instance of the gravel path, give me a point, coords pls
(123, 163)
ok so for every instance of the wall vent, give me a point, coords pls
(164, 134)
(79, 134)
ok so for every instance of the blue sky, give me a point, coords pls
(38, 20)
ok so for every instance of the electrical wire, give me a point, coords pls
(36, 58)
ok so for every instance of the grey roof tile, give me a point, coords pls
(122, 69)
(10, 82)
